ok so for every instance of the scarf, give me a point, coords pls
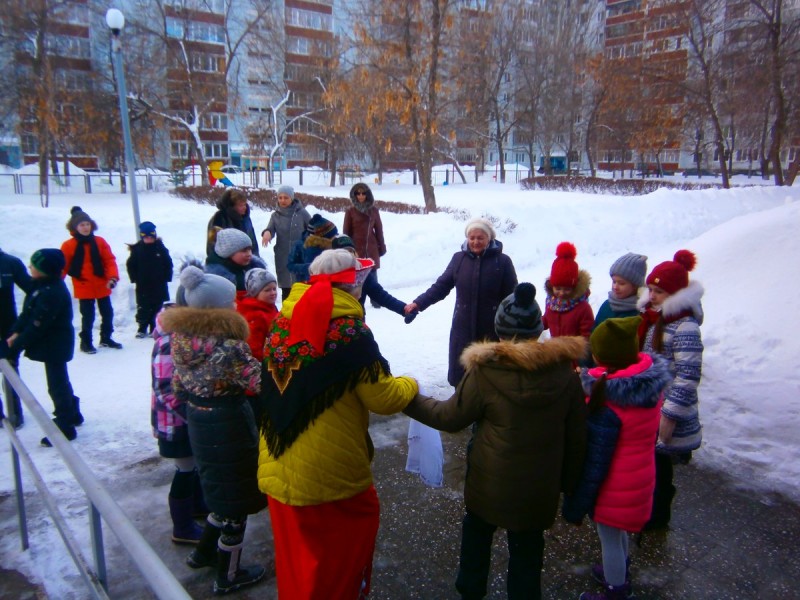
(623, 305)
(76, 266)
(650, 317)
(298, 383)
(565, 304)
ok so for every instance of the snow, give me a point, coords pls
(745, 240)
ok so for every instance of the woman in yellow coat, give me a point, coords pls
(323, 374)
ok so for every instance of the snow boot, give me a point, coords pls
(205, 555)
(600, 577)
(610, 592)
(230, 576)
(69, 433)
(109, 343)
(88, 348)
(184, 529)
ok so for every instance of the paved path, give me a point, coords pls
(723, 544)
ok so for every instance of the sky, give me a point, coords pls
(747, 251)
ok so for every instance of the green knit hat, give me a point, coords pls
(615, 342)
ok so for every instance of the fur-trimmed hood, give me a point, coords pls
(642, 389)
(583, 285)
(206, 322)
(530, 355)
(688, 298)
(365, 206)
(317, 241)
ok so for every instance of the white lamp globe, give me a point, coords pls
(115, 20)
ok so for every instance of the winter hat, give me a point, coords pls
(77, 217)
(312, 312)
(256, 280)
(319, 225)
(615, 342)
(519, 314)
(631, 267)
(481, 224)
(230, 241)
(286, 189)
(564, 272)
(673, 275)
(147, 229)
(49, 261)
(342, 241)
(204, 290)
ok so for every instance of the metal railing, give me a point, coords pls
(159, 578)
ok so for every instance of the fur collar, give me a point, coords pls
(688, 298)
(526, 354)
(584, 281)
(317, 241)
(641, 390)
(218, 322)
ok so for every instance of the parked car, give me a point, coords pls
(231, 169)
(698, 172)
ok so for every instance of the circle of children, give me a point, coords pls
(265, 407)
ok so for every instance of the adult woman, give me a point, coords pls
(323, 373)
(482, 276)
(233, 211)
(288, 223)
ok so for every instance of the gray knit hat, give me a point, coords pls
(631, 267)
(256, 280)
(230, 241)
(286, 189)
(519, 314)
(204, 290)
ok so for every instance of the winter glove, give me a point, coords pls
(411, 316)
(112, 283)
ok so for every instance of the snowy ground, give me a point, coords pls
(745, 240)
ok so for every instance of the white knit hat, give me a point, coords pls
(204, 290)
(230, 241)
(481, 224)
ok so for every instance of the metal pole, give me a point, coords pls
(116, 59)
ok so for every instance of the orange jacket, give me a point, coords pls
(89, 286)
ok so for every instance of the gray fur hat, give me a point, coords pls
(204, 290)
(519, 314)
(631, 267)
(230, 241)
(256, 280)
(481, 224)
(286, 189)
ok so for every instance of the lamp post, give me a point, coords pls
(116, 21)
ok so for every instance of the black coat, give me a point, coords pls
(150, 270)
(45, 326)
(226, 218)
(12, 272)
(481, 283)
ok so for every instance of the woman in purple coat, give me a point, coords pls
(482, 276)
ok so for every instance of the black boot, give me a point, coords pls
(184, 529)
(78, 416)
(86, 343)
(109, 343)
(68, 431)
(230, 576)
(205, 555)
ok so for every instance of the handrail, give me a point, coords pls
(160, 579)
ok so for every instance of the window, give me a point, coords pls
(199, 32)
(214, 150)
(179, 149)
(215, 121)
(309, 19)
(69, 46)
(208, 63)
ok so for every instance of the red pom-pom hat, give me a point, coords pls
(564, 272)
(673, 275)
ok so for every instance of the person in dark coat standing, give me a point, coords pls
(362, 222)
(213, 373)
(482, 276)
(150, 270)
(44, 331)
(286, 227)
(526, 402)
(12, 272)
(233, 211)
(317, 238)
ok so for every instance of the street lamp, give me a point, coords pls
(116, 21)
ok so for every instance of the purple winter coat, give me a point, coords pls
(481, 283)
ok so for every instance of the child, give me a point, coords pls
(568, 311)
(288, 223)
(317, 237)
(525, 399)
(232, 258)
(93, 268)
(44, 331)
(258, 308)
(371, 287)
(624, 394)
(627, 276)
(213, 372)
(12, 273)
(673, 313)
(362, 222)
(150, 270)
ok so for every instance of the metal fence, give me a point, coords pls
(155, 573)
(28, 183)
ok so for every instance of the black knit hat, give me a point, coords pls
(77, 217)
(519, 314)
(49, 261)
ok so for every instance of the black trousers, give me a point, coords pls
(60, 390)
(87, 318)
(525, 549)
(13, 403)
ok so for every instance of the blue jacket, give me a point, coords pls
(12, 272)
(45, 326)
